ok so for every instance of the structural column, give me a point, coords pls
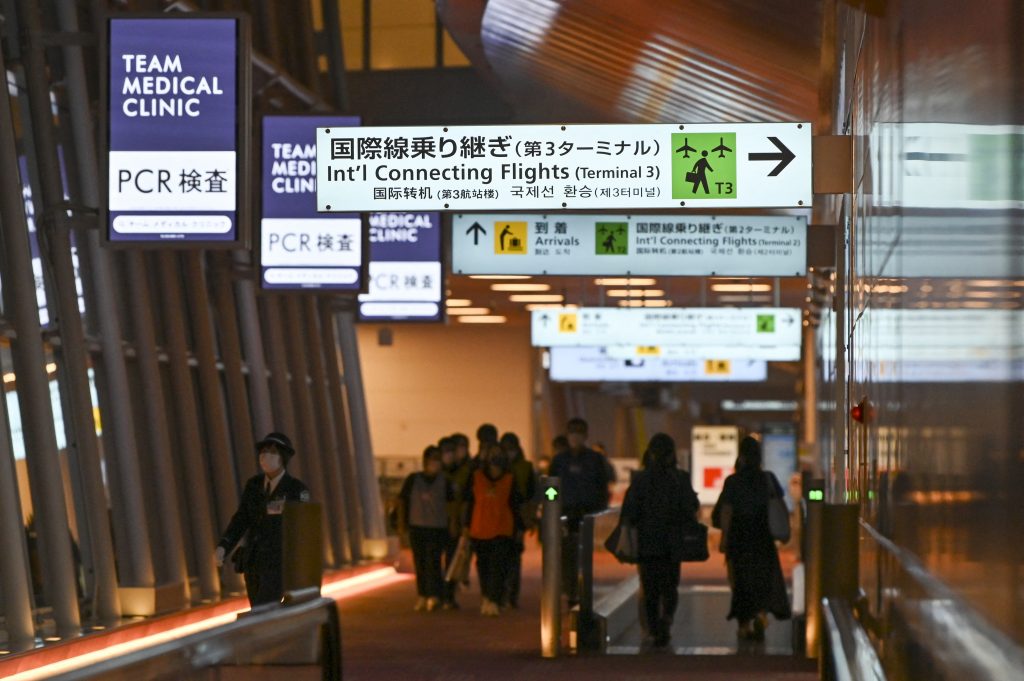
(231, 356)
(118, 416)
(171, 547)
(346, 460)
(809, 423)
(19, 292)
(280, 393)
(312, 450)
(252, 345)
(218, 442)
(196, 480)
(369, 490)
(55, 245)
(334, 506)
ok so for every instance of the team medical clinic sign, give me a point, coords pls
(176, 129)
(299, 248)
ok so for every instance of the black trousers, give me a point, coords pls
(571, 564)
(659, 580)
(493, 561)
(428, 544)
(263, 585)
(514, 579)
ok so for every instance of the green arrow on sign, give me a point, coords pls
(551, 493)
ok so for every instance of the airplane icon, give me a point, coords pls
(686, 148)
(721, 148)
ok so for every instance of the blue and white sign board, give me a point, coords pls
(406, 281)
(593, 364)
(536, 167)
(176, 129)
(708, 327)
(770, 353)
(299, 248)
(608, 244)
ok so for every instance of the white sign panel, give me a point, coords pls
(704, 326)
(714, 450)
(770, 353)
(659, 245)
(593, 364)
(721, 165)
(311, 253)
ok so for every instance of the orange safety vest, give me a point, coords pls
(492, 515)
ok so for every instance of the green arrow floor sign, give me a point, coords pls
(551, 493)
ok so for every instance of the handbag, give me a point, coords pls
(778, 514)
(458, 569)
(623, 543)
(694, 547)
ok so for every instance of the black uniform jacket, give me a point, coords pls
(261, 515)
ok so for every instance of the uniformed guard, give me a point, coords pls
(259, 513)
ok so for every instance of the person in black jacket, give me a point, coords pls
(661, 505)
(758, 586)
(584, 479)
(259, 514)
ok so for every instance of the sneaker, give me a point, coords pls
(495, 610)
(485, 607)
(421, 604)
(432, 604)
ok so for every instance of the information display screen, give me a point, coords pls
(177, 129)
(406, 280)
(300, 248)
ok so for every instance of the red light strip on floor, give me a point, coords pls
(340, 589)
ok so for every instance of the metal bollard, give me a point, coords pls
(551, 575)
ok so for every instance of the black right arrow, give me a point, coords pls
(476, 230)
(784, 156)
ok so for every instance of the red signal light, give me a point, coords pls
(863, 411)
(857, 412)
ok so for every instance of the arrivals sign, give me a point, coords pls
(299, 248)
(176, 129)
(405, 278)
(594, 364)
(530, 167)
(708, 327)
(660, 245)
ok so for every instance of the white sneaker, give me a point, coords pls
(421, 604)
(485, 607)
(432, 604)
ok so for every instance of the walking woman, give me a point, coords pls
(425, 512)
(661, 505)
(755, 574)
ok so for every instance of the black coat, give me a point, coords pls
(754, 570)
(661, 505)
(584, 479)
(261, 517)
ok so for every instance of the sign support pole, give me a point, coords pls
(551, 579)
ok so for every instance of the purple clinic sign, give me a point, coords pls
(299, 247)
(405, 275)
(176, 129)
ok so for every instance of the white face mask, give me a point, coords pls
(270, 463)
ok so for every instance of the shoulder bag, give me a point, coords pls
(623, 542)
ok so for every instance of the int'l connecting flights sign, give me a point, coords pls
(725, 165)
(709, 327)
(659, 245)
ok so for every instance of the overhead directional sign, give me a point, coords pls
(594, 364)
(709, 327)
(771, 353)
(659, 245)
(711, 165)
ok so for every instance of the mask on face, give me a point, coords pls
(270, 463)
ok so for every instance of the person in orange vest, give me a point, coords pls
(492, 520)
